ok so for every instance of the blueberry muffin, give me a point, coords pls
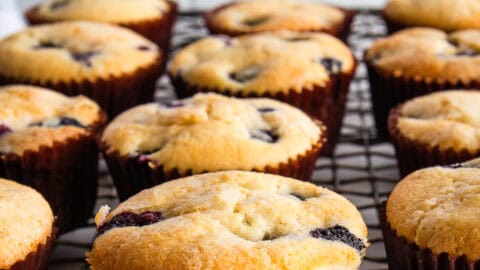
(154, 19)
(247, 17)
(114, 66)
(47, 141)
(432, 220)
(153, 143)
(311, 71)
(438, 129)
(419, 61)
(27, 228)
(448, 15)
(231, 220)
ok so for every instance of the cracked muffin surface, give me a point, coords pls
(232, 220)
(210, 132)
(262, 63)
(437, 209)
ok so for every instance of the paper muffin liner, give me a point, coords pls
(326, 103)
(158, 30)
(388, 91)
(38, 259)
(64, 173)
(340, 30)
(413, 155)
(113, 94)
(132, 174)
(402, 254)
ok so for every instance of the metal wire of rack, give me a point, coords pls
(363, 168)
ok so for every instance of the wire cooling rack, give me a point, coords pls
(363, 168)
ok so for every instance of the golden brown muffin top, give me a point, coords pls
(428, 54)
(210, 132)
(260, 63)
(231, 220)
(274, 15)
(448, 120)
(32, 117)
(438, 209)
(74, 51)
(111, 11)
(448, 15)
(26, 221)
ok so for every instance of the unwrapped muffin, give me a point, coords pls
(418, 61)
(154, 19)
(26, 226)
(231, 220)
(448, 15)
(438, 129)
(153, 143)
(311, 71)
(112, 65)
(247, 17)
(432, 218)
(47, 141)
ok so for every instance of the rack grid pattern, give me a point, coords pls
(363, 168)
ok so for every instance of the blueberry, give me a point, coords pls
(332, 65)
(84, 58)
(466, 52)
(264, 135)
(47, 45)
(255, 21)
(59, 4)
(128, 219)
(339, 233)
(143, 48)
(4, 129)
(57, 122)
(246, 74)
(265, 110)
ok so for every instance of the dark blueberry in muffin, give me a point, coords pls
(466, 52)
(59, 4)
(255, 21)
(57, 122)
(339, 233)
(264, 135)
(4, 129)
(265, 110)
(246, 74)
(48, 45)
(131, 219)
(332, 65)
(84, 58)
(143, 48)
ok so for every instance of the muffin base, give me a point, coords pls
(326, 103)
(38, 259)
(403, 255)
(113, 94)
(341, 30)
(412, 155)
(131, 175)
(158, 30)
(65, 174)
(389, 91)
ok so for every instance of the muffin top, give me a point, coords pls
(74, 51)
(437, 208)
(26, 221)
(231, 220)
(211, 132)
(31, 117)
(444, 14)
(112, 11)
(270, 62)
(448, 120)
(272, 15)
(426, 53)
